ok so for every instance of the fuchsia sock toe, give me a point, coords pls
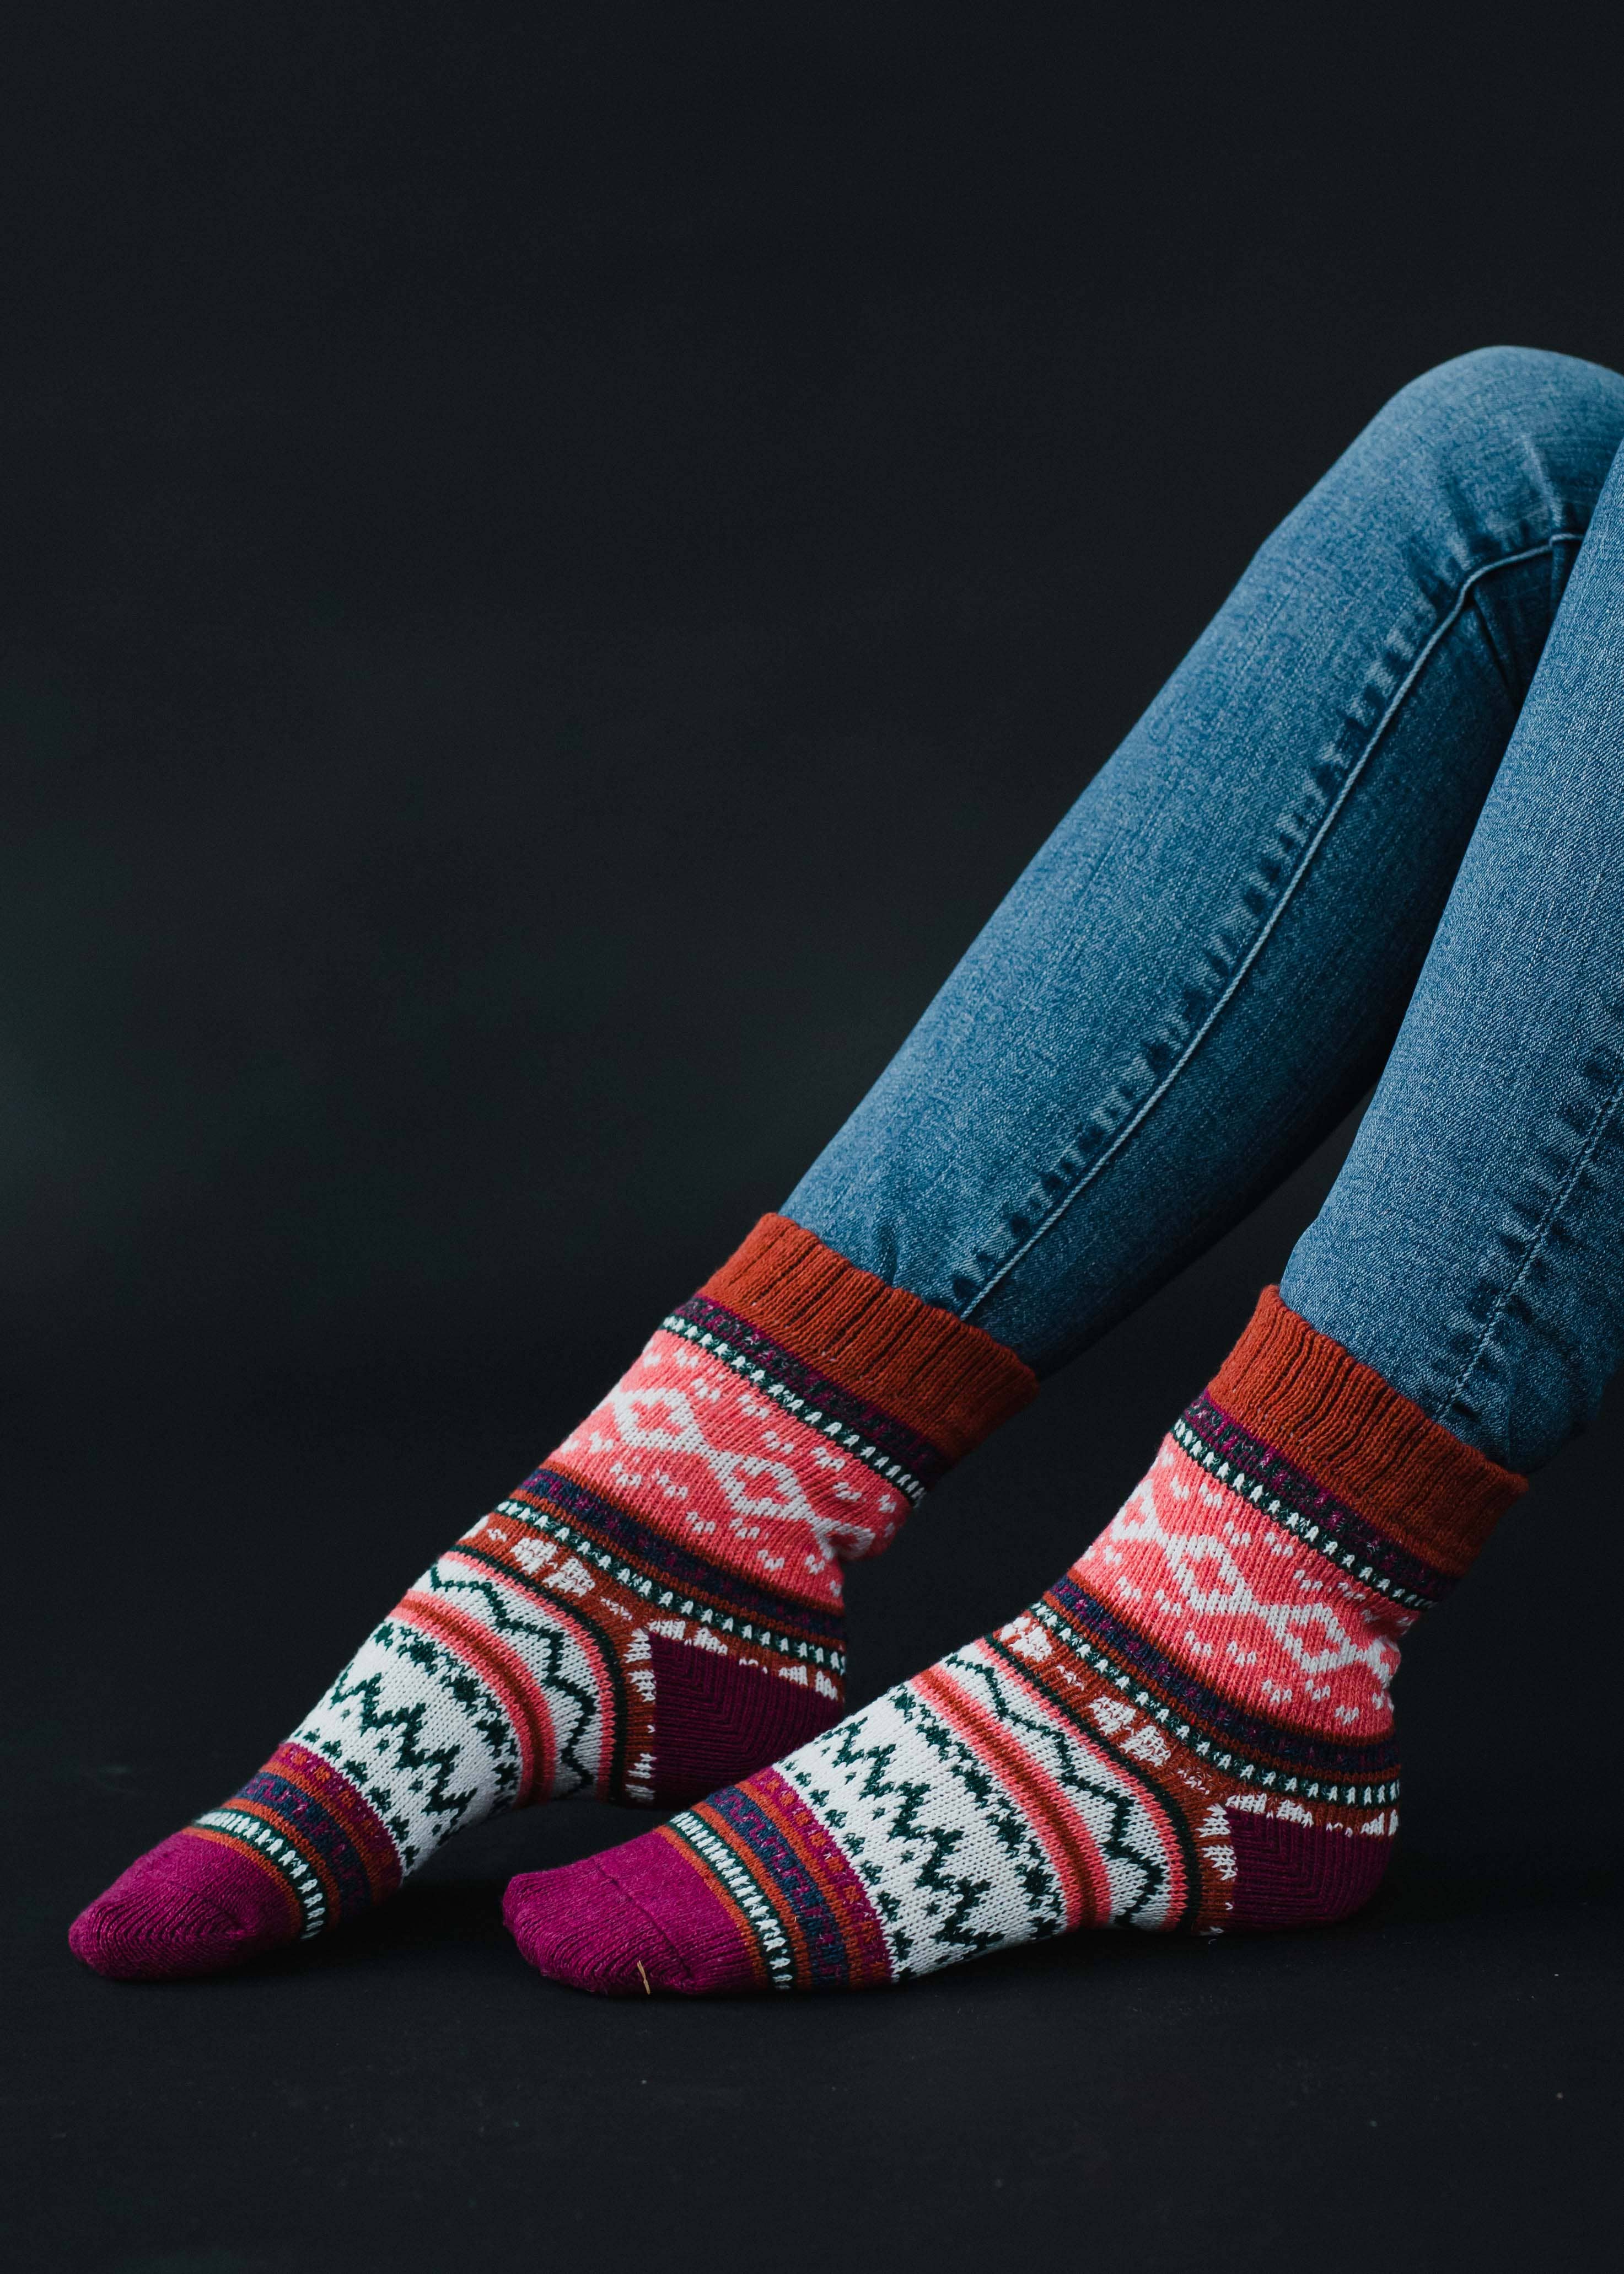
(1191, 1730)
(630, 1923)
(192, 1905)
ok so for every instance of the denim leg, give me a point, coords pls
(1472, 1248)
(1206, 963)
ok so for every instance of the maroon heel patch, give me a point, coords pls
(716, 1720)
(1298, 1875)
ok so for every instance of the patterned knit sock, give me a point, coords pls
(1191, 1730)
(656, 1610)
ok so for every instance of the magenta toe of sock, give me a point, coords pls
(639, 1919)
(188, 1906)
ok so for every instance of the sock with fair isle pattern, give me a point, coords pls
(656, 1609)
(1192, 1729)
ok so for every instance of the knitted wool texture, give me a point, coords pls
(1192, 1729)
(656, 1609)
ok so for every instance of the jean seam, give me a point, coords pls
(1429, 648)
(1604, 1113)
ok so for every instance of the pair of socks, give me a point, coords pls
(656, 1610)
(1192, 1730)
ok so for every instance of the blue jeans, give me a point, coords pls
(1372, 826)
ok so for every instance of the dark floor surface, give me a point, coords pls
(1434, 2085)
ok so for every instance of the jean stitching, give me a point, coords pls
(1424, 657)
(1599, 1129)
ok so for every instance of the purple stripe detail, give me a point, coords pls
(1344, 1534)
(891, 1437)
(828, 1961)
(1210, 1715)
(663, 1560)
(321, 1831)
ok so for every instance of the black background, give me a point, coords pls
(556, 565)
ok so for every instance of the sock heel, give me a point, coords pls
(1289, 1875)
(720, 1720)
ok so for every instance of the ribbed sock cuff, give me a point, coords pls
(1360, 1439)
(948, 1381)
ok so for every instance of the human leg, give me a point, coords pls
(1471, 1248)
(1206, 963)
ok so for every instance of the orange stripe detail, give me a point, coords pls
(350, 1809)
(497, 1545)
(790, 1925)
(504, 1674)
(1067, 1841)
(741, 1925)
(1150, 1799)
(279, 1824)
(860, 1928)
